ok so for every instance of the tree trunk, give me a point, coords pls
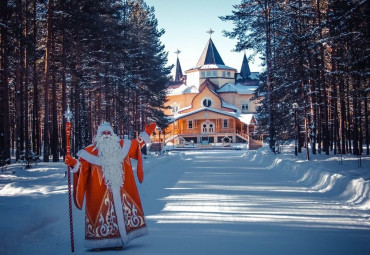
(270, 85)
(35, 111)
(54, 138)
(366, 122)
(26, 84)
(47, 79)
(4, 91)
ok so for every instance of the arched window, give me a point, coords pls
(204, 128)
(208, 127)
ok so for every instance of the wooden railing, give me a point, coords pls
(243, 135)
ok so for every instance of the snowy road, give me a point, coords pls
(215, 202)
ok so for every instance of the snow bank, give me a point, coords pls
(323, 175)
(357, 193)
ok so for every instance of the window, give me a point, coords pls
(207, 102)
(225, 123)
(190, 124)
(210, 129)
(245, 107)
(204, 128)
(175, 109)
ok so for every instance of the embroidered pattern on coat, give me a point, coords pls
(132, 219)
(107, 226)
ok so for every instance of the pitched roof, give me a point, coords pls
(178, 72)
(210, 55)
(245, 72)
(237, 88)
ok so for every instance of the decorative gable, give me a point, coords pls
(207, 98)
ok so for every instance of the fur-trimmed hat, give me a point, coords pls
(105, 126)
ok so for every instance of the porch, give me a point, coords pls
(196, 131)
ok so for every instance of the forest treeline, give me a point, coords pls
(317, 59)
(103, 58)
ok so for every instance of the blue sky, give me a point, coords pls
(186, 23)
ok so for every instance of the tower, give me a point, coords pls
(245, 71)
(178, 71)
(210, 66)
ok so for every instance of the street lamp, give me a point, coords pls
(295, 108)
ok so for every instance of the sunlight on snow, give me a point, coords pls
(213, 195)
(234, 209)
(35, 181)
(12, 189)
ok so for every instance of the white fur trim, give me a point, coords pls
(76, 167)
(125, 149)
(118, 206)
(145, 137)
(138, 233)
(105, 126)
(103, 243)
(89, 157)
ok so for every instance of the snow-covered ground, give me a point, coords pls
(206, 202)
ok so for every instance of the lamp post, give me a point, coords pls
(295, 108)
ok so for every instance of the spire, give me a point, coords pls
(245, 72)
(210, 55)
(178, 71)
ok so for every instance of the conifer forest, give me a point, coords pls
(106, 61)
(316, 84)
(103, 58)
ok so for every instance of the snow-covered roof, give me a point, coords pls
(243, 117)
(179, 116)
(238, 88)
(216, 67)
(183, 89)
(230, 106)
(254, 75)
(212, 66)
(246, 117)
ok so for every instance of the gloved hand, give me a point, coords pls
(70, 161)
(149, 129)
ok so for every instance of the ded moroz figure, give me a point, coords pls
(103, 175)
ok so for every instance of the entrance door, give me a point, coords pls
(208, 127)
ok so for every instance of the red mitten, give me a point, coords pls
(149, 129)
(70, 161)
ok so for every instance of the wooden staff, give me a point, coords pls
(68, 116)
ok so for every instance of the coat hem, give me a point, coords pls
(103, 243)
(115, 242)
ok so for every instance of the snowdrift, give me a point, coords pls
(327, 175)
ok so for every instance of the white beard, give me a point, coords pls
(109, 150)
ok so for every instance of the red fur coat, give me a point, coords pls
(112, 217)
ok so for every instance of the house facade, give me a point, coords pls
(211, 103)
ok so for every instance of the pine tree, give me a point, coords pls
(256, 17)
(104, 58)
(315, 61)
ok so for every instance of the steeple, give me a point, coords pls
(245, 72)
(210, 55)
(178, 71)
